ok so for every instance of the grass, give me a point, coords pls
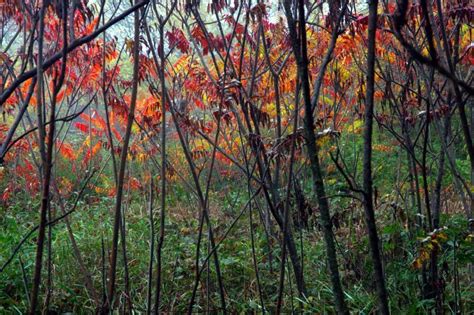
(91, 224)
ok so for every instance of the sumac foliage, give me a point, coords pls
(236, 156)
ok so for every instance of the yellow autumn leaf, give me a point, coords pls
(442, 236)
(356, 126)
(382, 148)
(417, 263)
(270, 109)
(321, 141)
(141, 157)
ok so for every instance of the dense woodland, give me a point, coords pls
(245, 156)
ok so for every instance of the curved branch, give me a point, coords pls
(75, 44)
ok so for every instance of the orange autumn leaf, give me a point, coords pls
(66, 151)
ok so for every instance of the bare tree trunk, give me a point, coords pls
(152, 249)
(44, 202)
(286, 217)
(367, 163)
(436, 203)
(161, 236)
(123, 161)
(46, 155)
(471, 208)
(301, 54)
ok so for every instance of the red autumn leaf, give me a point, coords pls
(176, 38)
(82, 127)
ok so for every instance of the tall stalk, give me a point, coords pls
(367, 163)
(123, 161)
(301, 54)
(46, 152)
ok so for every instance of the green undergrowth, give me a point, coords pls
(91, 225)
